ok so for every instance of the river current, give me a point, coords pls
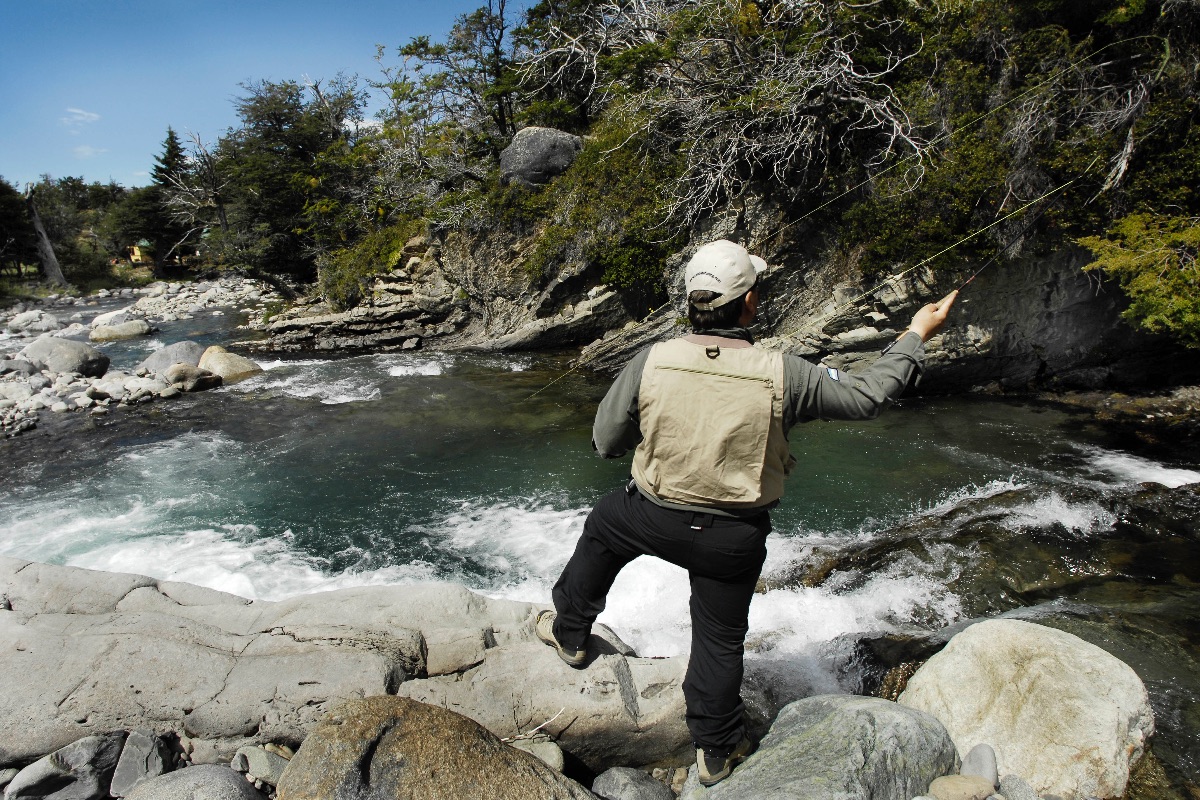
(331, 472)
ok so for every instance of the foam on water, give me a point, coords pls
(1051, 509)
(313, 379)
(232, 559)
(1131, 469)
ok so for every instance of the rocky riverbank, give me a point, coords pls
(55, 371)
(124, 685)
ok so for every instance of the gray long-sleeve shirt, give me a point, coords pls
(811, 392)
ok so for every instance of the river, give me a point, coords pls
(400, 468)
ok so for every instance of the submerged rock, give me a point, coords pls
(1058, 711)
(398, 748)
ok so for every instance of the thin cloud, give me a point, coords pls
(77, 117)
(87, 151)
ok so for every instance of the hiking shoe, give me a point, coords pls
(545, 631)
(714, 769)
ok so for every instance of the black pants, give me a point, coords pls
(723, 557)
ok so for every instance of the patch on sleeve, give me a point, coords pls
(833, 373)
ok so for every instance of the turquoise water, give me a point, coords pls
(381, 469)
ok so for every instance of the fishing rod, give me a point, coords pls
(815, 324)
(967, 126)
(948, 134)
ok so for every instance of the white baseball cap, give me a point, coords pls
(722, 267)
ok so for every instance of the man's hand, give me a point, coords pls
(929, 320)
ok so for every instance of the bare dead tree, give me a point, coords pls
(49, 260)
(194, 196)
(775, 96)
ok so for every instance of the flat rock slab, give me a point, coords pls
(392, 747)
(85, 652)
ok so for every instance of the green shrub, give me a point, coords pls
(344, 276)
(610, 210)
(1155, 260)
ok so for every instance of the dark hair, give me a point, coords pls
(726, 316)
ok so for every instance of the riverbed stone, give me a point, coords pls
(835, 747)
(230, 366)
(1014, 787)
(960, 787)
(81, 770)
(143, 757)
(66, 355)
(261, 764)
(229, 673)
(1058, 711)
(34, 321)
(185, 352)
(124, 330)
(625, 783)
(117, 317)
(544, 748)
(17, 365)
(399, 748)
(187, 378)
(981, 761)
(200, 782)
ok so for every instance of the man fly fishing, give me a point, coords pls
(707, 416)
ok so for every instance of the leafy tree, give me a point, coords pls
(71, 212)
(1155, 260)
(469, 80)
(18, 245)
(274, 169)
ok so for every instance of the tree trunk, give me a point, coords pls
(50, 265)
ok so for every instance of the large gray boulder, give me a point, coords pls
(119, 331)
(839, 747)
(230, 366)
(35, 321)
(392, 747)
(81, 770)
(201, 782)
(186, 352)
(538, 154)
(65, 355)
(1060, 712)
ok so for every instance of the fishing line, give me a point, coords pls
(948, 134)
(834, 312)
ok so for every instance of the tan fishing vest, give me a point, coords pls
(712, 427)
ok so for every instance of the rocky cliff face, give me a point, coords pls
(459, 291)
(1036, 321)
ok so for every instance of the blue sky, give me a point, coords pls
(88, 87)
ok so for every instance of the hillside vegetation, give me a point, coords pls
(895, 127)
